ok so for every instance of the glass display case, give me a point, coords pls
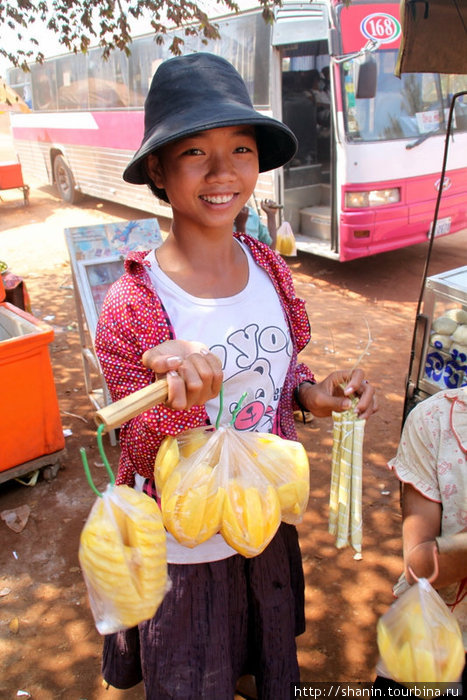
(442, 363)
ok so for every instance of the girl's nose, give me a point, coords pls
(220, 168)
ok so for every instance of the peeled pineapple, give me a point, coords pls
(167, 459)
(122, 554)
(250, 518)
(191, 503)
(173, 449)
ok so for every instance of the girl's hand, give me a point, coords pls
(194, 375)
(327, 396)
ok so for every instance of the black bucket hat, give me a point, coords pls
(198, 92)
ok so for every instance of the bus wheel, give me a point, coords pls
(65, 181)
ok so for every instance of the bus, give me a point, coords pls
(366, 174)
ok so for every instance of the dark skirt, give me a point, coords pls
(219, 621)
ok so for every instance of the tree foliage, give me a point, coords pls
(80, 24)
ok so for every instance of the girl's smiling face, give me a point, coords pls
(208, 176)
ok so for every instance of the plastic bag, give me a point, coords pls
(419, 638)
(239, 484)
(123, 557)
(285, 240)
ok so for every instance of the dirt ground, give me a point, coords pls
(49, 647)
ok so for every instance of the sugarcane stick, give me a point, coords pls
(345, 482)
(356, 487)
(335, 470)
(117, 413)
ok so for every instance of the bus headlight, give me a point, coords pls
(372, 198)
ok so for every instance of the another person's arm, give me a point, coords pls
(421, 535)
(270, 209)
(241, 219)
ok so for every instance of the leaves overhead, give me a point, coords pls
(79, 24)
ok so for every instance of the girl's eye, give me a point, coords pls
(192, 152)
(243, 149)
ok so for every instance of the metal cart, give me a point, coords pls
(441, 352)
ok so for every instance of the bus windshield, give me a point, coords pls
(408, 107)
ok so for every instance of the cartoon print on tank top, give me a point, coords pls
(255, 361)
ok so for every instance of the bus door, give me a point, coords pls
(300, 37)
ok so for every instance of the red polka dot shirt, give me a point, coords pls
(133, 320)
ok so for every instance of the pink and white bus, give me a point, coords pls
(366, 175)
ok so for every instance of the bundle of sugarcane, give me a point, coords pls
(345, 502)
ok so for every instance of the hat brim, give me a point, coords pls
(277, 144)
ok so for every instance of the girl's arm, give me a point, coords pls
(420, 530)
(123, 335)
(327, 396)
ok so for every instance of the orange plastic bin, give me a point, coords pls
(11, 177)
(30, 424)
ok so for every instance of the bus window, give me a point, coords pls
(21, 84)
(108, 81)
(450, 85)
(404, 107)
(44, 86)
(72, 84)
(145, 56)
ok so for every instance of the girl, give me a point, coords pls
(210, 308)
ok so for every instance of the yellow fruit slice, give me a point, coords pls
(167, 458)
(191, 504)
(250, 518)
(253, 515)
(193, 440)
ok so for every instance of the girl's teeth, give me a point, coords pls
(219, 199)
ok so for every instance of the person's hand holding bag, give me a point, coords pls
(419, 639)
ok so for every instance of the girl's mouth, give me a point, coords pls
(217, 198)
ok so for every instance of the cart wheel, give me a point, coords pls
(49, 473)
(65, 181)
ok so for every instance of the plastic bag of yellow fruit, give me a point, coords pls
(419, 638)
(285, 240)
(122, 553)
(239, 484)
